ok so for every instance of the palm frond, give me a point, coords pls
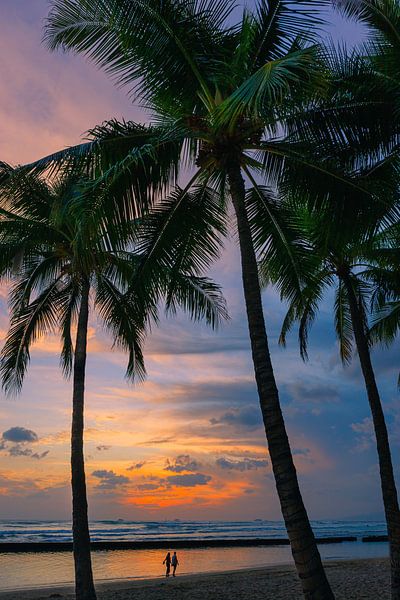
(36, 272)
(355, 116)
(269, 86)
(304, 307)
(183, 233)
(115, 35)
(343, 323)
(278, 23)
(282, 254)
(386, 323)
(382, 17)
(68, 313)
(130, 164)
(308, 316)
(319, 179)
(19, 184)
(124, 321)
(32, 321)
(199, 297)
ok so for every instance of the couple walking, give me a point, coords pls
(168, 561)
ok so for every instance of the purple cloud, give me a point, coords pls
(182, 463)
(247, 464)
(189, 479)
(20, 435)
(136, 466)
(109, 480)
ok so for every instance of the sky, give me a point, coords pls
(189, 442)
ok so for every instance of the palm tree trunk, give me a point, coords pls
(84, 586)
(388, 483)
(304, 548)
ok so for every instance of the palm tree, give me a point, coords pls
(223, 97)
(361, 266)
(63, 264)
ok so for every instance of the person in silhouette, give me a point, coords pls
(167, 563)
(175, 563)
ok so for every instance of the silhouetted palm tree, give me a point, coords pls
(362, 266)
(63, 264)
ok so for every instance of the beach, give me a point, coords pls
(365, 579)
(38, 554)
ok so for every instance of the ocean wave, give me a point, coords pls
(118, 529)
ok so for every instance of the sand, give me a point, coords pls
(366, 579)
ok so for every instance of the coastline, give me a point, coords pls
(15, 547)
(362, 579)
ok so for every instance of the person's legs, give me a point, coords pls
(168, 570)
(173, 570)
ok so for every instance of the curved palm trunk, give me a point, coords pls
(304, 548)
(388, 483)
(84, 586)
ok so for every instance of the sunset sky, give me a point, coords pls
(189, 442)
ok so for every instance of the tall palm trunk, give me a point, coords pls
(84, 586)
(304, 548)
(388, 483)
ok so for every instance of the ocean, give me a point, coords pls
(33, 569)
(119, 530)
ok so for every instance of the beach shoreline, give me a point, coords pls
(361, 579)
(16, 547)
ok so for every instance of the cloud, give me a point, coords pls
(248, 417)
(232, 391)
(182, 463)
(189, 480)
(19, 450)
(247, 464)
(136, 466)
(301, 451)
(385, 363)
(109, 480)
(233, 339)
(20, 435)
(102, 447)
(147, 487)
(365, 426)
(366, 435)
(40, 455)
(312, 396)
(157, 441)
(15, 441)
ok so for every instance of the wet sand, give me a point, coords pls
(366, 579)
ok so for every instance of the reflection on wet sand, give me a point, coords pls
(42, 569)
